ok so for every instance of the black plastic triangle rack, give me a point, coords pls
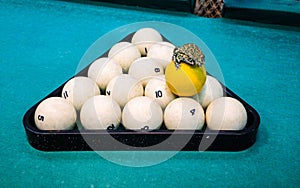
(124, 140)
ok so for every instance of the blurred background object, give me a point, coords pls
(209, 8)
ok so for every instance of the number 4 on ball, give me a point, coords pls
(193, 111)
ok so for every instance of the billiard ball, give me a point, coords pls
(226, 113)
(144, 38)
(103, 70)
(79, 89)
(123, 88)
(145, 68)
(142, 114)
(124, 53)
(158, 90)
(55, 113)
(184, 114)
(186, 74)
(162, 51)
(185, 81)
(211, 90)
(100, 112)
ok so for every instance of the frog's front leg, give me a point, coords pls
(177, 65)
(177, 57)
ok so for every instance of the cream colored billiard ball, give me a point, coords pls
(55, 113)
(144, 38)
(145, 68)
(184, 114)
(142, 114)
(103, 70)
(124, 53)
(100, 112)
(123, 88)
(211, 90)
(79, 89)
(158, 90)
(162, 51)
(226, 113)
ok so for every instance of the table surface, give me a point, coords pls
(278, 5)
(41, 45)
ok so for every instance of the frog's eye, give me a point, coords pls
(176, 50)
(179, 58)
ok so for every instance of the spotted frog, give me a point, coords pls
(189, 54)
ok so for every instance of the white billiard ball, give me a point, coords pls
(103, 70)
(55, 113)
(184, 114)
(142, 114)
(100, 112)
(145, 68)
(211, 90)
(162, 51)
(123, 88)
(158, 90)
(226, 113)
(79, 89)
(144, 38)
(124, 53)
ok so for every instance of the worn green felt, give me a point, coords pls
(277, 5)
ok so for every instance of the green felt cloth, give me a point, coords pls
(279, 5)
(41, 45)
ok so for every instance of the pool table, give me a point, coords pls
(42, 43)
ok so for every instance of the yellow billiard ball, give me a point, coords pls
(186, 74)
(186, 80)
